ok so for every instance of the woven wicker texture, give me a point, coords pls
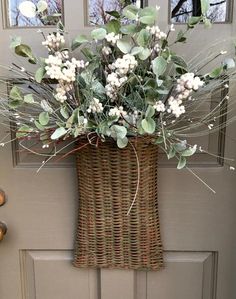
(106, 236)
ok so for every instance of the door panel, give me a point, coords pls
(187, 275)
(49, 274)
(198, 227)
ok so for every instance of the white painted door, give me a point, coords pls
(198, 227)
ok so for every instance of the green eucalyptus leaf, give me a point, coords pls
(171, 153)
(29, 99)
(131, 12)
(159, 65)
(181, 37)
(23, 131)
(189, 152)
(16, 94)
(182, 163)
(98, 88)
(113, 26)
(180, 146)
(149, 125)
(136, 50)
(150, 84)
(148, 15)
(192, 21)
(38, 125)
(125, 44)
(64, 112)
(44, 118)
(114, 14)
(150, 112)
(88, 53)
(143, 38)
(122, 143)
(149, 20)
(128, 29)
(179, 62)
(216, 73)
(148, 11)
(39, 74)
(159, 140)
(59, 132)
(14, 104)
(70, 121)
(78, 41)
(99, 33)
(25, 51)
(140, 128)
(144, 54)
(118, 132)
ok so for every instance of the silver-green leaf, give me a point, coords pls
(44, 118)
(122, 142)
(29, 99)
(149, 125)
(182, 163)
(59, 132)
(125, 45)
(159, 65)
(99, 34)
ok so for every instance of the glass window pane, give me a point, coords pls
(181, 10)
(97, 9)
(34, 13)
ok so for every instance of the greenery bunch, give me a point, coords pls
(128, 82)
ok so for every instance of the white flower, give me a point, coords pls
(106, 51)
(62, 55)
(53, 60)
(28, 9)
(112, 38)
(188, 82)
(155, 30)
(125, 64)
(157, 48)
(54, 41)
(95, 106)
(175, 107)
(159, 106)
(223, 52)
(61, 94)
(114, 83)
(117, 111)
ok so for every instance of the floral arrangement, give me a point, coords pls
(123, 81)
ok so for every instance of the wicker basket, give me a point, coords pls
(106, 236)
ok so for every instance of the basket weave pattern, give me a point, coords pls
(106, 236)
